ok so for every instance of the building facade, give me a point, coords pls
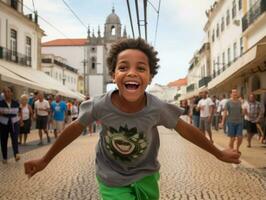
(55, 67)
(237, 31)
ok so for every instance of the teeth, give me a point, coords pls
(132, 83)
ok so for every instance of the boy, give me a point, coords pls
(126, 158)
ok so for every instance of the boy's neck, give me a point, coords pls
(125, 106)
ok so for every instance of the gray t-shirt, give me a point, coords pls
(234, 109)
(129, 142)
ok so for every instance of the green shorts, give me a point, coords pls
(144, 189)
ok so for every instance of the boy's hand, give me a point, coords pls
(230, 156)
(33, 166)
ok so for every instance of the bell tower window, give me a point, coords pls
(113, 30)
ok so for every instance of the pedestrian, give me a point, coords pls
(42, 109)
(215, 119)
(253, 111)
(234, 114)
(221, 111)
(126, 157)
(26, 118)
(75, 110)
(206, 108)
(9, 123)
(185, 106)
(59, 109)
(195, 112)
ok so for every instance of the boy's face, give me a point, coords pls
(132, 74)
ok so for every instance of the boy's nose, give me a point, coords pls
(132, 72)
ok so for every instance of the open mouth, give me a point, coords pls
(132, 85)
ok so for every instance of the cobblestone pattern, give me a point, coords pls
(186, 173)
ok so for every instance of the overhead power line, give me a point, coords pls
(137, 12)
(157, 22)
(72, 11)
(45, 20)
(130, 18)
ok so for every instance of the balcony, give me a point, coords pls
(255, 11)
(14, 56)
(191, 87)
(204, 81)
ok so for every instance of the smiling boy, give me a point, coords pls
(126, 157)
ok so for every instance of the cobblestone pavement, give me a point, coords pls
(186, 173)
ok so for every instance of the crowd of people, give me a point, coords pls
(233, 115)
(36, 111)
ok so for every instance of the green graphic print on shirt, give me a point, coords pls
(125, 144)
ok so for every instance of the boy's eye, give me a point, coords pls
(122, 68)
(141, 69)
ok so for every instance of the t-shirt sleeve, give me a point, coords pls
(85, 113)
(169, 115)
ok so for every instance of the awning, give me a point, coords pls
(8, 76)
(260, 91)
(248, 60)
(192, 94)
(42, 79)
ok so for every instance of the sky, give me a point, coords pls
(179, 33)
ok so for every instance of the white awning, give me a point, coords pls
(42, 79)
(8, 76)
(247, 61)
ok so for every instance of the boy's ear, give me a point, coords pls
(113, 77)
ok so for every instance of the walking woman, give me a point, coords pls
(26, 118)
(9, 123)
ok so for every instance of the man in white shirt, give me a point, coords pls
(42, 108)
(206, 107)
(221, 111)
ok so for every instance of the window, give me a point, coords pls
(213, 67)
(213, 36)
(56, 75)
(13, 45)
(222, 24)
(14, 4)
(48, 73)
(234, 9)
(28, 51)
(229, 56)
(235, 51)
(93, 62)
(217, 30)
(239, 4)
(241, 46)
(92, 49)
(113, 30)
(223, 59)
(218, 65)
(227, 17)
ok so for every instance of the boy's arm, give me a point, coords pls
(195, 136)
(69, 134)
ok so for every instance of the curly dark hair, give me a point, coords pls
(138, 44)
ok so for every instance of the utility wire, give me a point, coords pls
(72, 11)
(145, 17)
(137, 11)
(156, 29)
(130, 18)
(46, 21)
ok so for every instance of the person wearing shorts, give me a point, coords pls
(234, 114)
(42, 108)
(254, 111)
(59, 108)
(205, 106)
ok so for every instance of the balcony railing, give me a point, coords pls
(254, 12)
(204, 81)
(14, 56)
(191, 87)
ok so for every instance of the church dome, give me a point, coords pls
(112, 18)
